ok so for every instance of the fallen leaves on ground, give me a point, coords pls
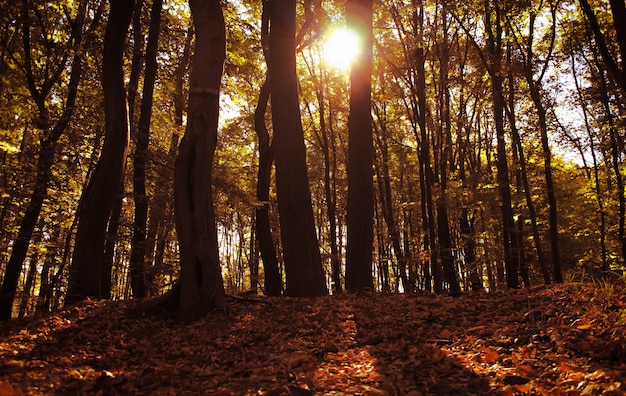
(559, 340)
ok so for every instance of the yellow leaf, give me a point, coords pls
(584, 327)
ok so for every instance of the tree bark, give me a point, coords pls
(360, 210)
(303, 263)
(139, 243)
(85, 279)
(494, 51)
(201, 284)
(273, 278)
(273, 281)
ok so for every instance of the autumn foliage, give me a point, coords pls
(560, 340)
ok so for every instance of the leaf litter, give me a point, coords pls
(557, 340)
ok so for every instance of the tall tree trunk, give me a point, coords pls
(494, 51)
(161, 219)
(273, 277)
(596, 170)
(201, 284)
(534, 86)
(85, 279)
(386, 201)
(615, 144)
(138, 249)
(303, 263)
(616, 161)
(443, 224)
(113, 226)
(360, 210)
(273, 281)
(517, 142)
(329, 173)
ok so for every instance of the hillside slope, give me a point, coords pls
(568, 340)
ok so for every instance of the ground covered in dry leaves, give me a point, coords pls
(560, 340)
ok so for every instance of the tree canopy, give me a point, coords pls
(452, 146)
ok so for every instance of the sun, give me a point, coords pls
(341, 47)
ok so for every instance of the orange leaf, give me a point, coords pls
(492, 357)
(523, 388)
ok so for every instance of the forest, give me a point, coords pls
(216, 157)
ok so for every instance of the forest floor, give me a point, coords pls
(559, 340)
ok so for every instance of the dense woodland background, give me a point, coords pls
(498, 146)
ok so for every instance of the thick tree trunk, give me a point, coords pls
(360, 209)
(85, 279)
(201, 284)
(303, 263)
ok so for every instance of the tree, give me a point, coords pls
(618, 9)
(273, 281)
(303, 263)
(201, 284)
(530, 65)
(138, 251)
(492, 59)
(51, 75)
(85, 279)
(360, 153)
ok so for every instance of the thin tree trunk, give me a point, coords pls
(386, 202)
(596, 170)
(467, 230)
(443, 224)
(494, 49)
(31, 276)
(138, 248)
(160, 218)
(273, 281)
